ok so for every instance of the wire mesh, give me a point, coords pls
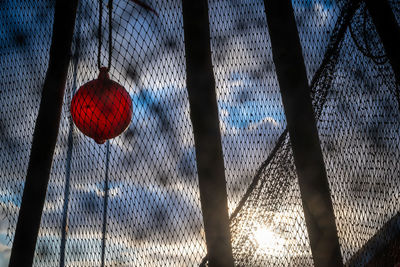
(363, 109)
(268, 228)
(153, 215)
(134, 201)
(25, 28)
(250, 107)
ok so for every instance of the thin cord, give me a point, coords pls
(105, 206)
(366, 51)
(110, 8)
(106, 184)
(99, 33)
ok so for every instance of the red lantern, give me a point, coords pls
(101, 108)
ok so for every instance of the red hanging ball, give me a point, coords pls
(101, 108)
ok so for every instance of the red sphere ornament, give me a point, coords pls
(101, 108)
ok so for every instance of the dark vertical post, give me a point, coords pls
(44, 136)
(388, 30)
(204, 115)
(314, 188)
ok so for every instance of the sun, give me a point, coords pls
(268, 241)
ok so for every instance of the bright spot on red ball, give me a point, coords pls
(101, 108)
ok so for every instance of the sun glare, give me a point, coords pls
(268, 241)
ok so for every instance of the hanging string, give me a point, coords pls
(106, 185)
(365, 49)
(99, 33)
(105, 206)
(110, 8)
